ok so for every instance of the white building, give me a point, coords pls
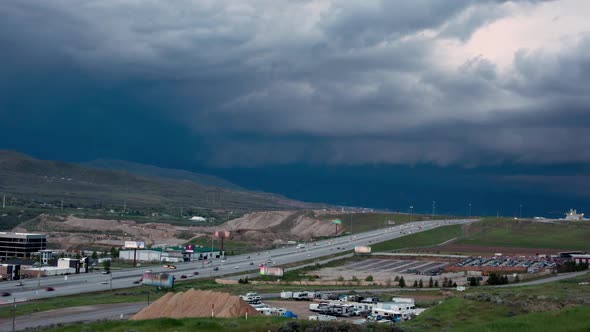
(574, 215)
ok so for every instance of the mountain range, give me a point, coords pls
(117, 183)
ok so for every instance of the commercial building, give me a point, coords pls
(77, 264)
(170, 254)
(21, 245)
(581, 259)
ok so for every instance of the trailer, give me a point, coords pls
(252, 298)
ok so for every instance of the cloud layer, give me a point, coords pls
(263, 82)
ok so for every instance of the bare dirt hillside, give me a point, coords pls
(289, 224)
(260, 229)
(71, 232)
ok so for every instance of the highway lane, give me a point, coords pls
(92, 282)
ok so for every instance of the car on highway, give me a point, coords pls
(5, 294)
(183, 277)
(216, 268)
(106, 272)
(136, 282)
(196, 273)
(50, 289)
(104, 282)
(236, 267)
(169, 266)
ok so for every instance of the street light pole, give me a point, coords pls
(520, 213)
(470, 209)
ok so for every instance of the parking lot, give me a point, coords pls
(386, 269)
(505, 263)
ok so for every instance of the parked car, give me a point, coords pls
(183, 277)
(50, 289)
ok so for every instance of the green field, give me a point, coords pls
(424, 239)
(558, 306)
(363, 222)
(528, 234)
(231, 247)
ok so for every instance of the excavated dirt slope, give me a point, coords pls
(196, 303)
(297, 224)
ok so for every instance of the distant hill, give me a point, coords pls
(166, 173)
(25, 178)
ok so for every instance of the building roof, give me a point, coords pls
(23, 235)
(182, 249)
(581, 256)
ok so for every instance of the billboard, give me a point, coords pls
(189, 248)
(158, 279)
(336, 221)
(362, 249)
(134, 244)
(222, 234)
(271, 271)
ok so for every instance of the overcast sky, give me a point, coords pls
(262, 83)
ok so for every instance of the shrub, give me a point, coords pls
(402, 282)
(369, 278)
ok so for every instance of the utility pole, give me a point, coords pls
(350, 223)
(124, 206)
(3, 201)
(470, 209)
(411, 213)
(14, 315)
(520, 213)
(180, 212)
(433, 207)
(62, 205)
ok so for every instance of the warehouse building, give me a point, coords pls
(170, 254)
(21, 245)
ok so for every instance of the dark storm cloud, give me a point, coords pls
(278, 82)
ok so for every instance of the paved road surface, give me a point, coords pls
(72, 315)
(32, 289)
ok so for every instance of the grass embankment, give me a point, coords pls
(423, 239)
(231, 247)
(495, 232)
(558, 306)
(363, 222)
(224, 324)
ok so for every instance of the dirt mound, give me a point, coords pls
(258, 220)
(285, 224)
(196, 303)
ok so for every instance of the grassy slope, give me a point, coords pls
(223, 325)
(515, 233)
(26, 179)
(512, 309)
(457, 314)
(423, 239)
(362, 222)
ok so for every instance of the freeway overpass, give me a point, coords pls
(33, 289)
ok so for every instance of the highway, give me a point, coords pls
(32, 289)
